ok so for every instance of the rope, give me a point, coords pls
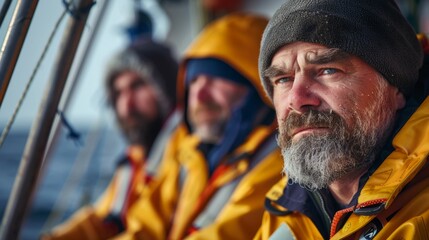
(27, 87)
(72, 133)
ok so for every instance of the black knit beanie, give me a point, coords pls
(153, 62)
(374, 30)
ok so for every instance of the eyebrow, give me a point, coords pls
(330, 55)
(273, 71)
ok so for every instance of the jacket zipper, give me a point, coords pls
(325, 216)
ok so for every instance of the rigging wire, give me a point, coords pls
(70, 93)
(86, 153)
(77, 171)
(33, 74)
(30, 166)
(4, 10)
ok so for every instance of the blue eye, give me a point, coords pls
(282, 80)
(329, 71)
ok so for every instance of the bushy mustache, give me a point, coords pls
(312, 118)
(133, 116)
(208, 106)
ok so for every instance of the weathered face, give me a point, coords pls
(211, 101)
(136, 106)
(133, 95)
(334, 112)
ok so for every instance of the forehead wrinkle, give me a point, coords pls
(311, 57)
(326, 56)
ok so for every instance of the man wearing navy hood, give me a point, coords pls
(223, 158)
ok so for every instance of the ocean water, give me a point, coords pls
(74, 176)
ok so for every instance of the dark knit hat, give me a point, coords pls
(374, 30)
(154, 63)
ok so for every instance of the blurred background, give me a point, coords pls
(77, 170)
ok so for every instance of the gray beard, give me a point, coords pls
(316, 160)
(209, 133)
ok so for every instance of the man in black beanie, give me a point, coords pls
(141, 88)
(348, 83)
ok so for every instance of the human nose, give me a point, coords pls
(125, 103)
(303, 96)
(201, 86)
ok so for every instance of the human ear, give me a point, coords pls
(399, 99)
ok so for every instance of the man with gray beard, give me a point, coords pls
(348, 83)
(315, 160)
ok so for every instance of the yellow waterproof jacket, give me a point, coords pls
(185, 192)
(189, 202)
(132, 179)
(393, 203)
(396, 195)
(88, 222)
